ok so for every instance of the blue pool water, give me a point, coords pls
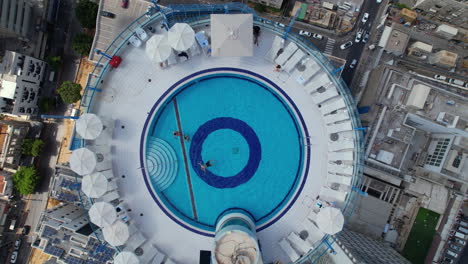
(250, 136)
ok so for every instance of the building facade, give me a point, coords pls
(11, 137)
(449, 11)
(21, 79)
(16, 18)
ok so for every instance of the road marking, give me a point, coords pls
(330, 45)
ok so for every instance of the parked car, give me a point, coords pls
(365, 38)
(448, 260)
(365, 17)
(455, 247)
(26, 229)
(346, 45)
(17, 244)
(14, 257)
(358, 37)
(278, 24)
(107, 14)
(452, 254)
(379, 1)
(305, 33)
(457, 82)
(317, 36)
(124, 3)
(440, 77)
(459, 241)
(353, 64)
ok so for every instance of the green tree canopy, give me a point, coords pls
(32, 147)
(82, 44)
(46, 104)
(86, 12)
(25, 180)
(54, 62)
(69, 92)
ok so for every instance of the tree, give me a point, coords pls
(25, 180)
(70, 92)
(86, 12)
(32, 147)
(54, 62)
(82, 44)
(46, 104)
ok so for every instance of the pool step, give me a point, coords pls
(161, 162)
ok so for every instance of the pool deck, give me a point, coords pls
(127, 96)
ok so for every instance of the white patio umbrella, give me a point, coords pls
(89, 126)
(94, 185)
(181, 36)
(102, 214)
(126, 257)
(330, 220)
(83, 161)
(158, 48)
(116, 234)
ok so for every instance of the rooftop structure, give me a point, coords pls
(12, 135)
(444, 58)
(419, 47)
(408, 15)
(6, 185)
(448, 11)
(20, 82)
(283, 97)
(16, 19)
(66, 185)
(394, 41)
(446, 31)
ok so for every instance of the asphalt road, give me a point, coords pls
(356, 50)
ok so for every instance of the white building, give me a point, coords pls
(20, 80)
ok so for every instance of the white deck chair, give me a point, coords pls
(172, 58)
(312, 216)
(297, 243)
(194, 50)
(345, 180)
(318, 97)
(203, 42)
(315, 234)
(277, 44)
(149, 251)
(135, 241)
(343, 156)
(110, 196)
(332, 195)
(287, 53)
(340, 145)
(331, 106)
(311, 68)
(293, 61)
(340, 169)
(159, 258)
(336, 117)
(169, 261)
(288, 249)
(317, 81)
(335, 128)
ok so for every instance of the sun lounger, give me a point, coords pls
(340, 145)
(134, 241)
(311, 68)
(312, 216)
(345, 180)
(203, 42)
(332, 195)
(169, 261)
(287, 53)
(319, 80)
(336, 117)
(110, 196)
(288, 249)
(277, 44)
(141, 33)
(318, 97)
(335, 128)
(340, 169)
(315, 234)
(297, 243)
(331, 106)
(293, 61)
(343, 156)
(149, 251)
(159, 258)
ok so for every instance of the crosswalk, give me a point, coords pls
(329, 47)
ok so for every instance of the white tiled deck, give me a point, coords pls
(127, 97)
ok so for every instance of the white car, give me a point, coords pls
(317, 36)
(358, 37)
(278, 24)
(353, 64)
(346, 45)
(14, 256)
(135, 41)
(17, 244)
(379, 1)
(440, 77)
(365, 17)
(305, 33)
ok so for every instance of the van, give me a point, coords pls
(12, 225)
(460, 235)
(462, 229)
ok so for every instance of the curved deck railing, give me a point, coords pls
(198, 15)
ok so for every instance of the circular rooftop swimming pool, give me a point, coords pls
(223, 139)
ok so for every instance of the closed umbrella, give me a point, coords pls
(126, 257)
(89, 126)
(330, 220)
(158, 48)
(102, 214)
(94, 185)
(116, 234)
(83, 161)
(181, 36)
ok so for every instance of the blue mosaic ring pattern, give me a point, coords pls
(225, 123)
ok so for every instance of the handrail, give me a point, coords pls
(195, 15)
